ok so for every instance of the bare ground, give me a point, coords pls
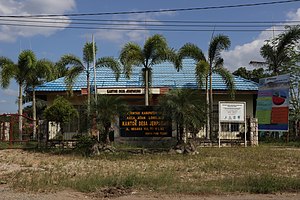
(12, 161)
(8, 194)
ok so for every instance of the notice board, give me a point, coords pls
(144, 121)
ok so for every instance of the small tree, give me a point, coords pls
(61, 112)
(105, 110)
(186, 108)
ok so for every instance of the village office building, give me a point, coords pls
(164, 78)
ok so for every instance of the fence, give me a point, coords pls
(9, 128)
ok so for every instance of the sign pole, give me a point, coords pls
(245, 126)
(219, 132)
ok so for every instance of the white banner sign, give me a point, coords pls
(232, 111)
(126, 91)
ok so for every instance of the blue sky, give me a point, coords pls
(51, 43)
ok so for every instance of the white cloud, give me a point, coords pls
(3, 101)
(241, 55)
(10, 32)
(133, 35)
(10, 92)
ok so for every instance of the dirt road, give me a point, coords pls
(8, 194)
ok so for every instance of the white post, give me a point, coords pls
(94, 64)
(245, 124)
(219, 132)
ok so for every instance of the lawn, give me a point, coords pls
(263, 169)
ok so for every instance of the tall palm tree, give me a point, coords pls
(106, 108)
(19, 71)
(185, 108)
(78, 66)
(278, 52)
(206, 67)
(154, 51)
(192, 51)
(39, 73)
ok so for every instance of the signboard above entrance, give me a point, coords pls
(127, 91)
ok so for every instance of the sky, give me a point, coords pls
(69, 33)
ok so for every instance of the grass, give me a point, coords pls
(261, 169)
(18, 145)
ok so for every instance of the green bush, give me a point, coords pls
(84, 144)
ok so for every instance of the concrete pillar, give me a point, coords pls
(253, 132)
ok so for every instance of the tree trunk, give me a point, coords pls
(34, 113)
(146, 86)
(88, 91)
(88, 100)
(211, 103)
(20, 112)
(297, 128)
(106, 132)
(181, 129)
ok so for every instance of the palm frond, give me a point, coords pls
(201, 71)
(288, 38)
(218, 44)
(71, 76)
(26, 62)
(70, 60)
(154, 47)
(131, 55)
(192, 51)
(7, 72)
(183, 106)
(173, 57)
(88, 52)
(228, 78)
(111, 63)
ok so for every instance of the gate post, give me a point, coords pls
(253, 131)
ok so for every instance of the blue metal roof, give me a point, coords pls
(164, 75)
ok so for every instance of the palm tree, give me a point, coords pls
(78, 66)
(185, 107)
(192, 51)
(39, 73)
(19, 71)
(278, 52)
(206, 67)
(106, 108)
(154, 51)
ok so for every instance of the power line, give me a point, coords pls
(157, 11)
(152, 24)
(136, 29)
(163, 21)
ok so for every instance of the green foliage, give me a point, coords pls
(278, 52)
(76, 66)
(84, 144)
(88, 56)
(61, 111)
(253, 75)
(105, 110)
(154, 51)
(185, 107)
